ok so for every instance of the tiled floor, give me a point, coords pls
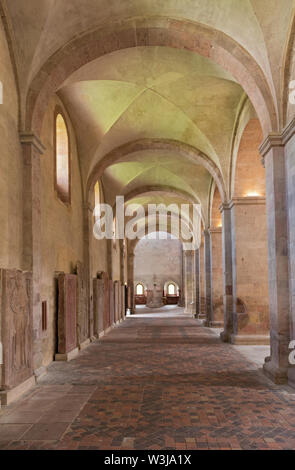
(153, 383)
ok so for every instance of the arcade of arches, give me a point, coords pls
(173, 102)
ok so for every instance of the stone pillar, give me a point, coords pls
(197, 283)
(122, 302)
(208, 287)
(216, 277)
(87, 251)
(272, 151)
(227, 272)
(122, 259)
(181, 302)
(250, 271)
(189, 282)
(201, 313)
(130, 269)
(32, 151)
(290, 173)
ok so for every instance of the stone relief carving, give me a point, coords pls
(17, 330)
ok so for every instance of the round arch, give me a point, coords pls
(182, 149)
(171, 283)
(168, 190)
(161, 31)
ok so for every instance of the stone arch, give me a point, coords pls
(145, 232)
(144, 190)
(287, 70)
(182, 34)
(184, 150)
(168, 283)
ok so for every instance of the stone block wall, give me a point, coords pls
(250, 267)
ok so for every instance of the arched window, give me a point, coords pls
(139, 289)
(62, 159)
(171, 289)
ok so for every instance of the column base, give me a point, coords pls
(39, 373)
(277, 375)
(201, 316)
(9, 396)
(225, 337)
(84, 344)
(216, 324)
(68, 356)
(250, 339)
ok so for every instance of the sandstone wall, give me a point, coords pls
(11, 164)
(61, 225)
(160, 258)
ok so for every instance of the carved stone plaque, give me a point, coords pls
(16, 331)
(67, 313)
(123, 294)
(82, 305)
(98, 305)
(117, 300)
(112, 302)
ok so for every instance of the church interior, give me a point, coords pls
(152, 341)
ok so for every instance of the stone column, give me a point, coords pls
(130, 268)
(250, 271)
(216, 277)
(197, 281)
(87, 251)
(208, 287)
(272, 151)
(201, 313)
(227, 272)
(189, 282)
(32, 151)
(181, 302)
(290, 173)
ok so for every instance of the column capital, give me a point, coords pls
(213, 230)
(225, 206)
(273, 140)
(30, 138)
(277, 139)
(247, 201)
(188, 252)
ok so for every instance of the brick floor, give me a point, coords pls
(153, 383)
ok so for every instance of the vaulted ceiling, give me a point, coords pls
(152, 92)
